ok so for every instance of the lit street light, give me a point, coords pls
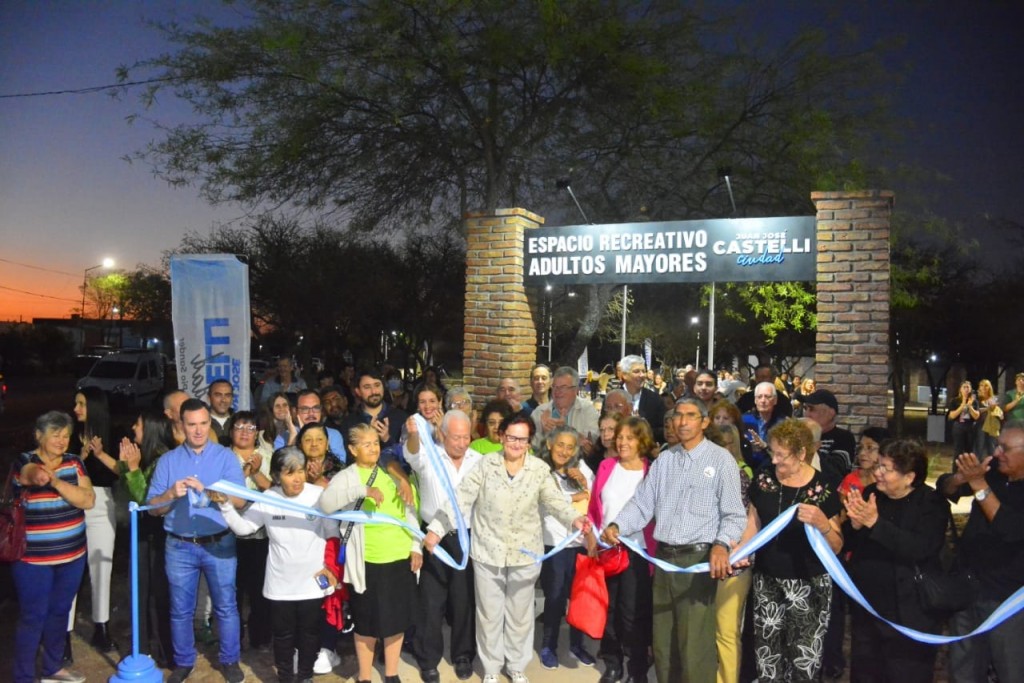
(696, 321)
(107, 263)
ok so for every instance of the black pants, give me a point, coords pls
(628, 631)
(154, 596)
(445, 593)
(252, 569)
(296, 626)
(881, 654)
(556, 576)
(832, 658)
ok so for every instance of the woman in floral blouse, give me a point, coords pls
(792, 590)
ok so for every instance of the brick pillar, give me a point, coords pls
(500, 338)
(853, 303)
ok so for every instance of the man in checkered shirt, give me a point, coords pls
(692, 492)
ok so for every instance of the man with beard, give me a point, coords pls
(444, 590)
(386, 420)
(335, 406)
(646, 403)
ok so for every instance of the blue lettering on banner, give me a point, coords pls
(218, 363)
(764, 258)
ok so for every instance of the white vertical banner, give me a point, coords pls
(210, 312)
(648, 352)
(583, 364)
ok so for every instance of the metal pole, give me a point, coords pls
(551, 326)
(696, 362)
(711, 330)
(625, 300)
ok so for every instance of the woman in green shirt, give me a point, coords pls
(381, 560)
(153, 435)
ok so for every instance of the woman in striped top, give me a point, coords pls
(56, 492)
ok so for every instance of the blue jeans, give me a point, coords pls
(45, 593)
(217, 562)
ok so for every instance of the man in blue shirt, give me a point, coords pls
(198, 539)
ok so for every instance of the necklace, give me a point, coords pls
(796, 494)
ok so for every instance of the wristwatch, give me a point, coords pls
(982, 494)
(721, 544)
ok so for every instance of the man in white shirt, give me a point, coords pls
(443, 589)
(220, 395)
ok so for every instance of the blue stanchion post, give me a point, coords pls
(136, 667)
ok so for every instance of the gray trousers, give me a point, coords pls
(504, 615)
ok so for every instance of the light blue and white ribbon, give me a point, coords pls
(359, 517)
(437, 462)
(1007, 609)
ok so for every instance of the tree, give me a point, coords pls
(147, 295)
(322, 290)
(104, 293)
(393, 113)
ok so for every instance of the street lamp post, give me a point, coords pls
(107, 263)
(696, 363)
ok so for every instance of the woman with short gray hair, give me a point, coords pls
(295, 563)
(56, 491)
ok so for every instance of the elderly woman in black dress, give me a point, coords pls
(895, 527)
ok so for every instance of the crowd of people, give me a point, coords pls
(657, 474)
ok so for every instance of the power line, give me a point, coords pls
(45, 296)
(90, 89)
(48, 270)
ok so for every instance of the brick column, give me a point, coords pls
(500, 338)
(853, 303)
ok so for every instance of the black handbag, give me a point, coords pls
(949, 588)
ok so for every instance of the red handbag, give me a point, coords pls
(12, 522)
(588, 602)
(615, 560)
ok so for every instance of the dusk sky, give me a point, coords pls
(68, 199)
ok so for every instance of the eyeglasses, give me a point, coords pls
(304, 410)
(517, 439)
(884, 469)
(245, 428)
(563, 387)
(1009, 447)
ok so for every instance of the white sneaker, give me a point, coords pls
(325, 661)
(490, 678)
(517, 677)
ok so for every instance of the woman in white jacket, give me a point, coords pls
(381, 560)
(295, 562)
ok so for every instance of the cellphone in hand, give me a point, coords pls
(322, 581)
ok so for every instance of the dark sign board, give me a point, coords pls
(717, 250)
